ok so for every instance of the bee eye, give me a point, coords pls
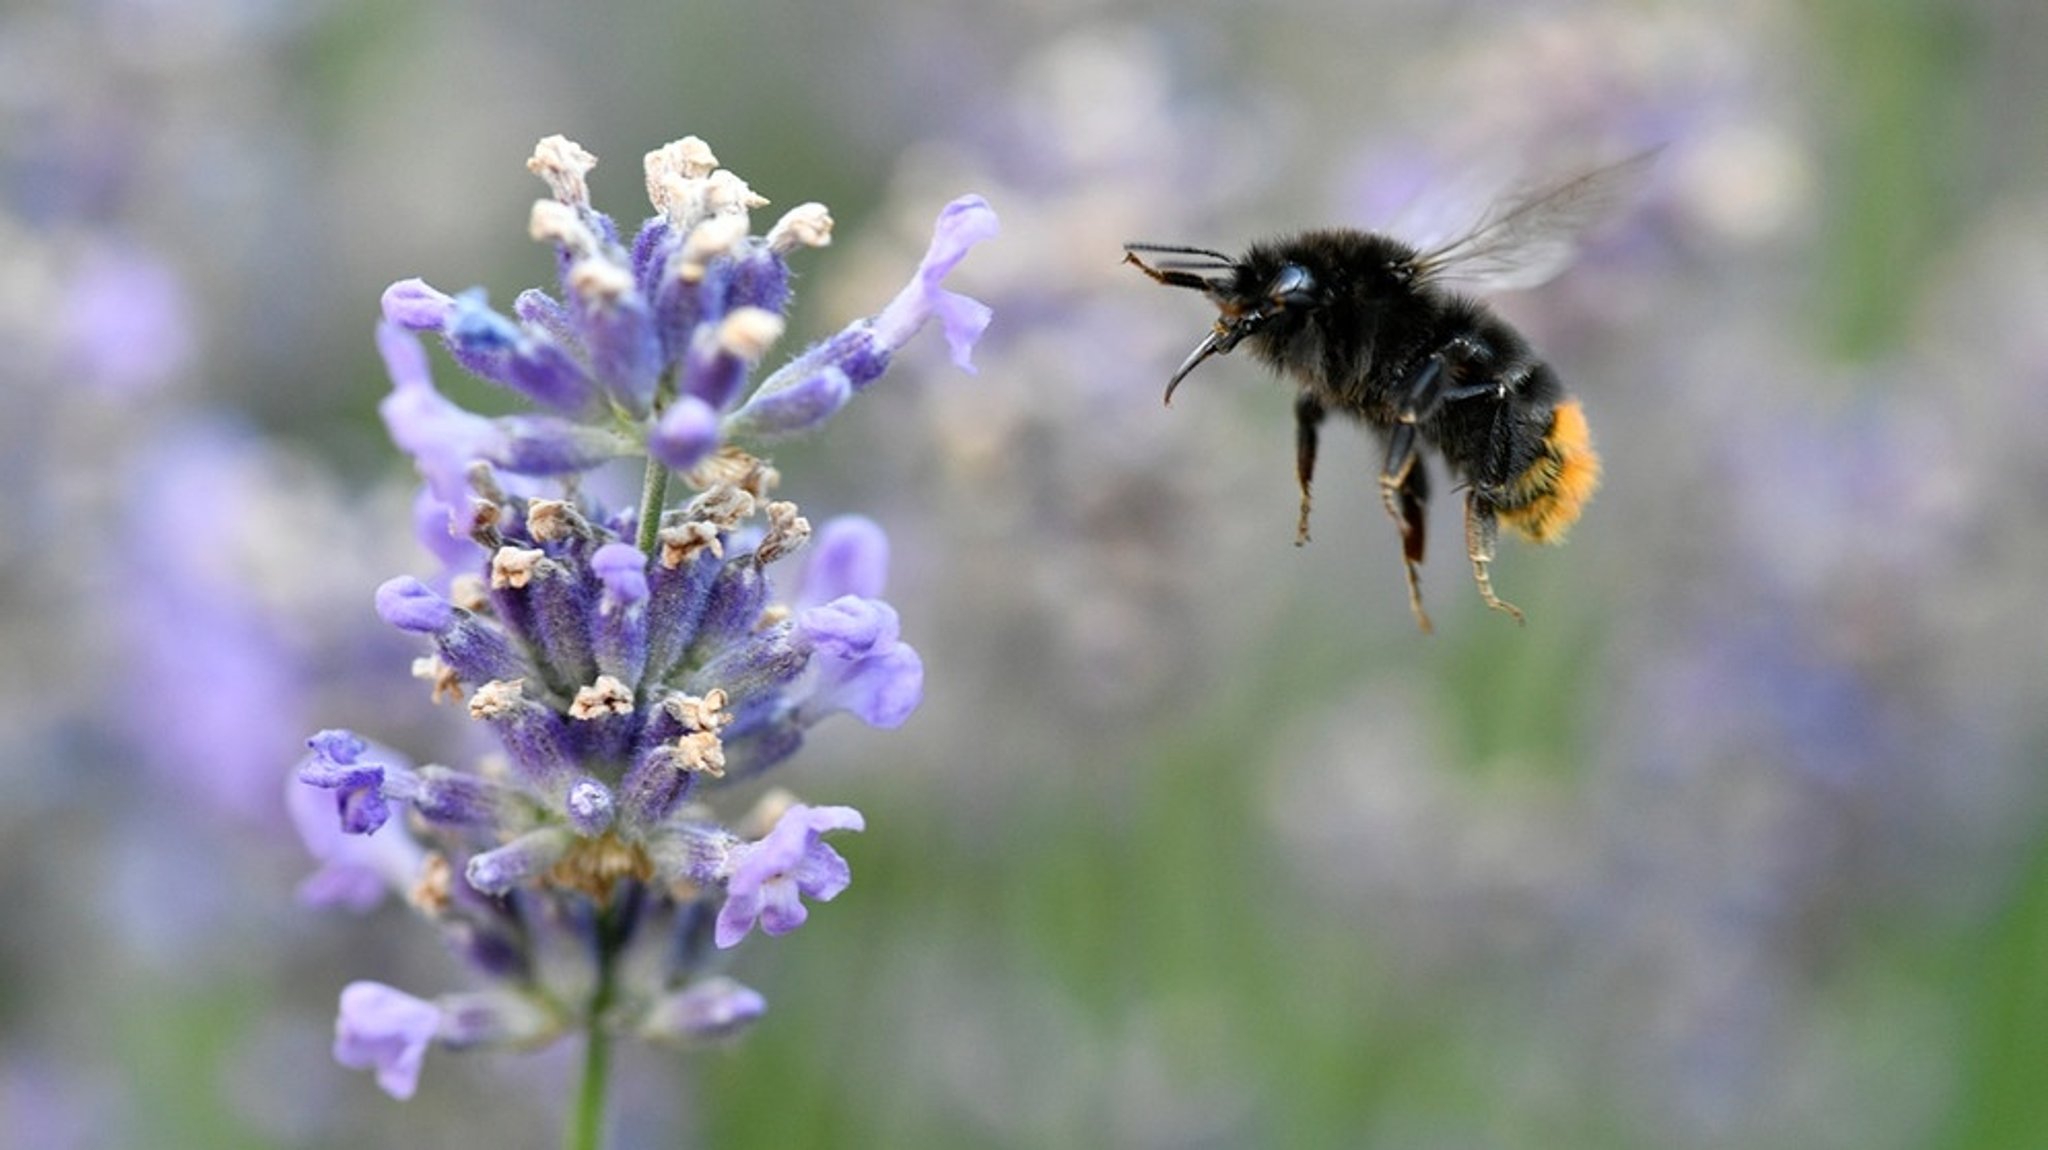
(1292, 287)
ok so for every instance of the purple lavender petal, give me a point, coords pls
(849, 627)
(416, 306)
(737, 917)
(363, 809)
(821, 874)
(384, 1029)
(356, 871)
(442, 439)
(621, 629)
(964, 222)
(337, 764)
(779, 907)
(770, 878)
(622, 568)
(334, 754)
(881, 689)
(803, 393)
(849, 555)
(475, 650)
(685, 434)
(858, 664)
(410, 605)
(432, 526)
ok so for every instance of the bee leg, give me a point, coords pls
(1404, 492)
(1420, 395)
(1428, 389)
(1404, 489)
(1308, 417)
(1480, 533)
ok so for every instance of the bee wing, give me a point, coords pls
(1532, 234)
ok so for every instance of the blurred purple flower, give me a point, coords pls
(216, 688)
(849, 556)
(52, 1105)
(712, 1009)
(384, 1029)
(126, 325)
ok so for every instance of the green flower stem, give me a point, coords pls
(587, 1117)
(653, 496)
(586, 1120)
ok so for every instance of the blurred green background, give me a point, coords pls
(1195, 842)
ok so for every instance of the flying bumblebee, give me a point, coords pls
(1369, 327)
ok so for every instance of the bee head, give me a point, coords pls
(1247, 295)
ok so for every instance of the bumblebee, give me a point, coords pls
(1371, 327)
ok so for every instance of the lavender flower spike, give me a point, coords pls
(631, 665)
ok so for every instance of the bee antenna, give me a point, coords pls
(1182, 250)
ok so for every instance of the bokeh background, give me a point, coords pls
(1195, 841)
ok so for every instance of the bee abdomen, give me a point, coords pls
(1545, 499)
